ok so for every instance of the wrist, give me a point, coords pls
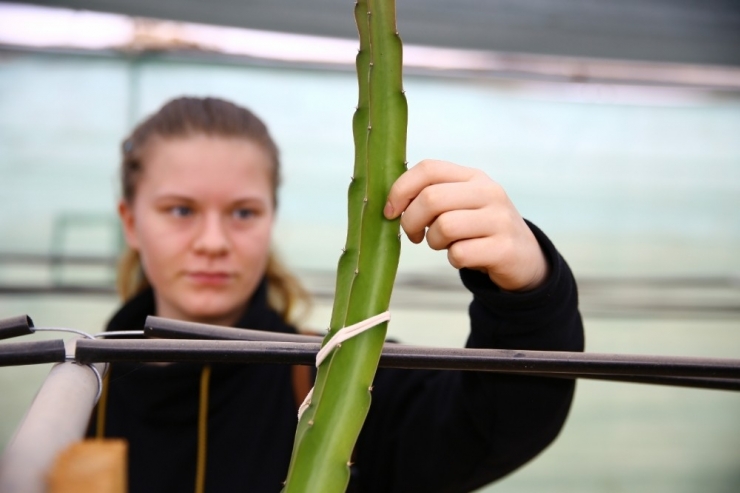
(529, 279)
(539, 277)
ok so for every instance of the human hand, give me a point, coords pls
(470, 216)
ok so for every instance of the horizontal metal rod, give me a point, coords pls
(689, 382)
(37, 352)
(174, 329)
(539, 363)
(191, 351)
(166, 328)
(20, 325)
(32, 353)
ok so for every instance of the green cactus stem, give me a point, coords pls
(329, 427)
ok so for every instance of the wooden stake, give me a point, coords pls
(91, 466)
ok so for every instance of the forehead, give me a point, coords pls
(205, 164)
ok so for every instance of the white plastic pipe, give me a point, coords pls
(57, 418)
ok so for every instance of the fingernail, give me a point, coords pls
(388, 210)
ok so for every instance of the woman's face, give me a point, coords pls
(201, 221)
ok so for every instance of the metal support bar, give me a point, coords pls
(688, 382)
(31, 353)
(173, 329)
(16, 326)
(400, 356)
(166, 328)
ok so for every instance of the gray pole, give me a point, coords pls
(57, 418)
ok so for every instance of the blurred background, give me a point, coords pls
(614, 127)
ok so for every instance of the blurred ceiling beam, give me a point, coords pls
(703, 32)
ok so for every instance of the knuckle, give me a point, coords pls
(429, 167)
(426, 164)
(505, 250)
(478, 174)
(428, 198)
(435, 242)
(413, 232)
(417, 236)
(456, 255)
(494, 190)
(446, 227)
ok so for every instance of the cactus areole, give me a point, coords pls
(329, 426)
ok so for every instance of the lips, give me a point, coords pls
(209, 278)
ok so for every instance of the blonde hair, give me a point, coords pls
(184, 117)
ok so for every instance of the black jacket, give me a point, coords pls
(426, 431)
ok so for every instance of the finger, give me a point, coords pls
(459, 225)
(412, 182)
(438, 199)
(473, 253)
(496, 256)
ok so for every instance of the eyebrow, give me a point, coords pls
(186, 198)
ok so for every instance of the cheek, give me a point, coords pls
(254, 247)
(159, 247)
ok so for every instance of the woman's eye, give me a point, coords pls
(181, 211)
(243, 213)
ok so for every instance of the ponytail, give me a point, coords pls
(285, 292)
(130, 279)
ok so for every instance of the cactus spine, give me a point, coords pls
(329, 428)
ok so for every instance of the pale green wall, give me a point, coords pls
(646, 186)
(649, 186)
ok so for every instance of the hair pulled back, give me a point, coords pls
(185, 117)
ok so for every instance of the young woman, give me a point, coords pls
(199, 193)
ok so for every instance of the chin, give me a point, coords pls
(212, 308)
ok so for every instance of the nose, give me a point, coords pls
(212, 239)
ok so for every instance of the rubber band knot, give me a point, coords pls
(341, 336)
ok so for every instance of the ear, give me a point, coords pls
(126, 213)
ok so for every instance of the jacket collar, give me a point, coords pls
(257, 314)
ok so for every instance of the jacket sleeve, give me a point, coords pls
(451, 431)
